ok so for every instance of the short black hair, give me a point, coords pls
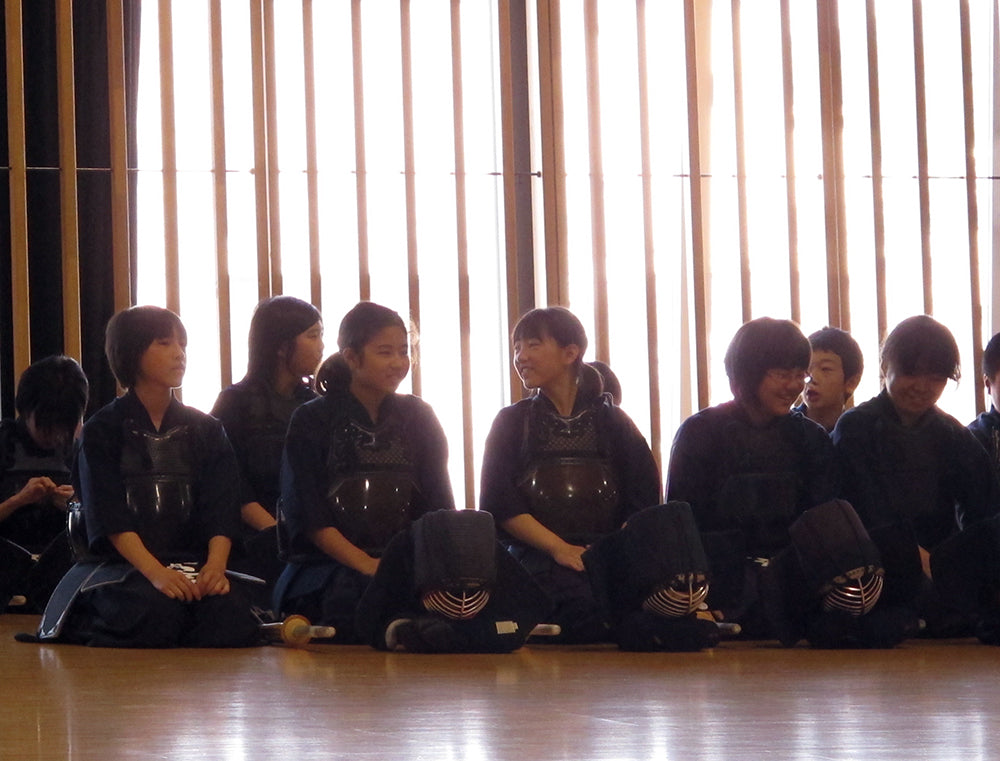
(841, 343)
(130, 332)
(55, 391)
(991, 357)
(760, 345)
(920, 344)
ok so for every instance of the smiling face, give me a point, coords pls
(382, 364)
(913, 395)
(541, 362)
(163, 363)
(777, 392)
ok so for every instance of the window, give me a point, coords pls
(842, 157)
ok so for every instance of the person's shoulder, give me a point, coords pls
(233, 397)
(410, 405)
(985, 422)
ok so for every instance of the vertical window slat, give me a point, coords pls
(602, 341)
(792, 210)
(18, 186)
(119, 155)
(167, 127)
(741, 164)
(975, 295)
(312, 170)
(693, 45)
(553, 160)
(364, 269)
(652, 323)
(271, 134)
(219, 178)
(69, 208)
(260, 142)
(833, 164)
(461, 229)
(875, 120)
(409, 176)
(922, 170)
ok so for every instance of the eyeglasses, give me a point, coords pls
(788, 376)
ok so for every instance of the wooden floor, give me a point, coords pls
(924, 700)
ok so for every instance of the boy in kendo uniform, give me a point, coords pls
(751, 468)
(35, 458)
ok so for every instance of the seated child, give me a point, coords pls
(834, 372)
(564, 469)
(751, 469)
(285, 349)
(159, 487)
(35, 458)
(915, 475)
(361, 463)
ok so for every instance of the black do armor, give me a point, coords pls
(157, 470)
(378, 498)
(454, 561)
(569, 484)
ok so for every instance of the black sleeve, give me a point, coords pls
(435, 482)
(640, 477)
(498, 493)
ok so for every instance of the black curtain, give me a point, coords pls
(93, 188)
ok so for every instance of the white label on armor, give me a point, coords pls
(506, 627)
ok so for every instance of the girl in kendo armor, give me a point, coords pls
(563, 468)
(158, 483)
(361, 463)
(285, 349)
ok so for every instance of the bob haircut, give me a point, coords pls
(130, 332)
(841, 343)
(359, 326)
(921, 345)
(55, 390)
(275, 325)
(557, 323)
(761, 345)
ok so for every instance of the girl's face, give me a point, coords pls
(163, 363)
(777, 392)
(382, 365)
(913, 395)
(307, 352)
(540, 362)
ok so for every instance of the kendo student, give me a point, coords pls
(159, 487)
(361, 463)
(835, 369)
(562, 469)
(751, 469)
(35, 456)
(285, 348)
(919, 479)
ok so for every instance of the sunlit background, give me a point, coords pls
(624, 73)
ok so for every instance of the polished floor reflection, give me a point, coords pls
(924, 700)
